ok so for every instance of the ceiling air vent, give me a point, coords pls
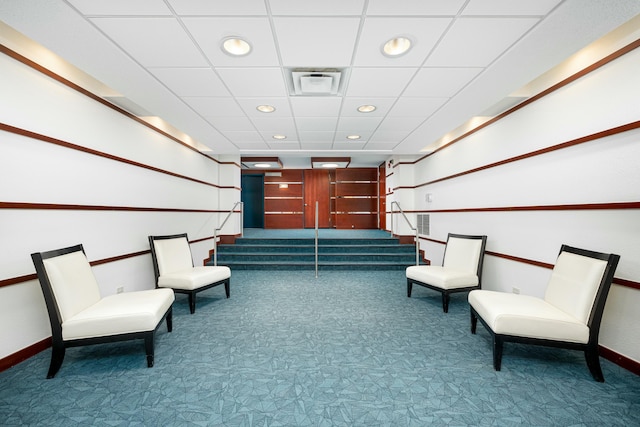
(315, 82)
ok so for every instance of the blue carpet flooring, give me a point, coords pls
(346, 349)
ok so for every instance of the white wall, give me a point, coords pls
(600, 171)
(35, 171)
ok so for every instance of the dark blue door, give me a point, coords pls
(253, 199)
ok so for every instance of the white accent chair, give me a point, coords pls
(80, 316)
(173, 268)
(461, 269)
(568, 317)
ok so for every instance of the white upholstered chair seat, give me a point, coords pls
(194, 277)
(527, 316)
(120, 314)
(445, 278)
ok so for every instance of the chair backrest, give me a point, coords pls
(580, 282)
(67, 281)
(465, 253)
(170, 253)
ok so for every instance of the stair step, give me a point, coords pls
(333, 254)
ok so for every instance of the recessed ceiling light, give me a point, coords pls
(366, 108)
(266, 108)
(329, 165)
(353, 137)
(262, 165)
(279, 136)
(396, 47)
(235, 46)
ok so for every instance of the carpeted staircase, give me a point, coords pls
(333, 254)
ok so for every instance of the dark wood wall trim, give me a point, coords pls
(568, 207)
(21, 279)
(71, 207)
(24, 354)
(37, 67)
(585, 71)
(598, 135)
(61, 143)
(622, 282)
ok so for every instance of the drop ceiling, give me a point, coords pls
(164, 57)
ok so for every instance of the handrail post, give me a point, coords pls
(215, 230)
(410, 226)
(316, 239)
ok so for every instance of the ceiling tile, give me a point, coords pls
(359, 124)
(476, 42)
(243, 136)
(416, 107)
(316, 42)
(440, 82)
(214, 106)
(399, 124)
(390, 135)
(153, 42)
(218, 7)
(379, 81)
(121, 7)
(209, 33)
(318, 8)
(281, 125)
(191, 81)
(316, 123)
(252, 146)
(509, 7)
(315, 106)
(316, 136)
(229, 123)
(414, 7)
(253, 82)
(424, 33)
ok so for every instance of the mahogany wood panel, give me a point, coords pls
(356, 189)
(274, 190)
(316, 189)
(382, 193)
(357, 174)
(283, 221)
(357, 221)
(283, 205)
(356, 205)
(286, 175)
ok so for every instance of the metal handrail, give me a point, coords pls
(316, 239)
(215, 231)
(415, 229)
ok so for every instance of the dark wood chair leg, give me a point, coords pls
(57, 356)
(593, 363)
(445, 302)
(409, 287)
(149, 347)
(227, 288)
(497, 352)
(474, 322)
(192, 302)
(170, 320)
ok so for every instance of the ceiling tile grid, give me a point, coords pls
(178, 44)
